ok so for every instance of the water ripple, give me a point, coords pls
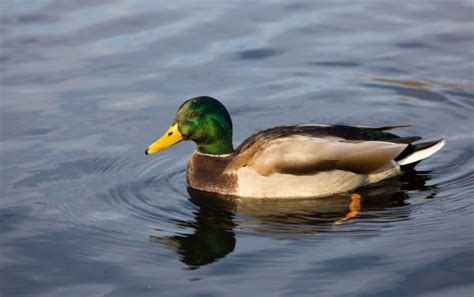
(85, 84)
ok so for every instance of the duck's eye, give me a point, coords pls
(194, 114)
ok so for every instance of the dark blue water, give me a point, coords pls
(87, 85)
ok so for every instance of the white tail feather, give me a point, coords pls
(422, 154)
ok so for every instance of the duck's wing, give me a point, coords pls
(311, 148)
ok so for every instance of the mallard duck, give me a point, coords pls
(286, 161)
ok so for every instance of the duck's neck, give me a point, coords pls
(218, 147)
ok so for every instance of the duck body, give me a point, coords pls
(248, 183)
(302, 161)
(291, 161)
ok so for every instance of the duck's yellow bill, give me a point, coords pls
(170, 138)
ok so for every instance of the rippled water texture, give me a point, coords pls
(87, 85)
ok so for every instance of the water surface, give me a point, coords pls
(87, 85)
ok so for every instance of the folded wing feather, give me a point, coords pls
(305, 155)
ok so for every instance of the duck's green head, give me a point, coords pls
(203, 120)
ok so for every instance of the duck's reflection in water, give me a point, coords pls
(214, 238)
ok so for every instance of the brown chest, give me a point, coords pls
(206, 173)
